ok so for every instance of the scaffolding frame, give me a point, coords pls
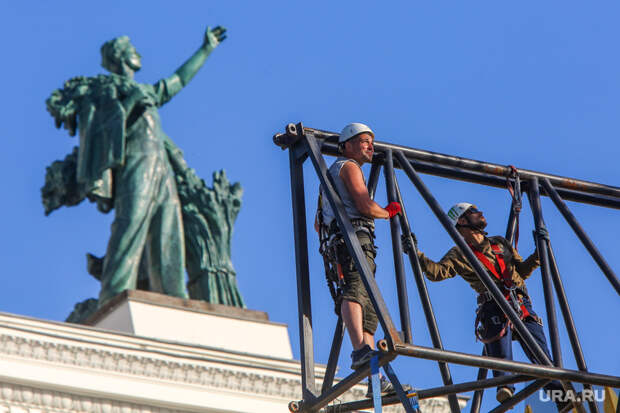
(305, 143)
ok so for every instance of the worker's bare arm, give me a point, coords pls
(353, 179)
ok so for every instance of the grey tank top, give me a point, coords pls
(347, 200)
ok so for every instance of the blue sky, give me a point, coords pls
(530, 84)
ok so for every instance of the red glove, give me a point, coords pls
(393, 208)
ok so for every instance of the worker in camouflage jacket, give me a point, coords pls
(508, 270)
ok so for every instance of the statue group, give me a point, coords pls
(167, 220)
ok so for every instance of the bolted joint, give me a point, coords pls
(291, 134)
(291, 129)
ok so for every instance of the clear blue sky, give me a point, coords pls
(536, 85)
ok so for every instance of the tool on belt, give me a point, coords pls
(510, 291)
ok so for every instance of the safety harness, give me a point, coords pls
(330, 239)
(510, 291)
(333, 270)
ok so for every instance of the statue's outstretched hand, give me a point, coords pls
(213, 37)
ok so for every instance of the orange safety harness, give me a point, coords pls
(509, 290)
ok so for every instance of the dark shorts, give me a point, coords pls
(354, 289)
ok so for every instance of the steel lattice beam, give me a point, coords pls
(304, 143)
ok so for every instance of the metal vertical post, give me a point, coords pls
(373, 179)
(559, 286)
(542, 245)
(476, 401)
(569, 322)
(581, 234)
(545, 270)
(397, 251)
(303, 276)
(427, 306)
(563, 301)
(334, 353)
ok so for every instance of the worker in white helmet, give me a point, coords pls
(352, 301)
(508, 270)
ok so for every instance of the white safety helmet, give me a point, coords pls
(352, 130)
(457, 211)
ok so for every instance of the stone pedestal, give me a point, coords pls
(158, 316)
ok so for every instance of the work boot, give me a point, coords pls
(503, 394)
(387, 388)
(361, 356)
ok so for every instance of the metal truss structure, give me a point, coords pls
(303, 143)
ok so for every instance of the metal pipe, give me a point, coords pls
(497, 182)
(542, 243)
(476, 401)
(482, 274)
(520, 396)
(569, 322)
(427, 306)
(479, 166)
(535, 370)
(581, 234)
(308, 382)
(373, 179)
(570, 193)
(545, 270)
(334, 353)
(453, 390)
(397, 252)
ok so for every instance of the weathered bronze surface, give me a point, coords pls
(166, 218)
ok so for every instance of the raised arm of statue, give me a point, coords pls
(185, 73)
(211, 40)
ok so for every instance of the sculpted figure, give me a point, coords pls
(123, 162)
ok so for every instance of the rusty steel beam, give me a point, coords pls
(536, 370)
(450, 390)
(485, 173)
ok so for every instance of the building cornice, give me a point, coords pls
(196, 375)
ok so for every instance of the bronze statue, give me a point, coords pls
(126, 162)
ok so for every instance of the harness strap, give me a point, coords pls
(509, 290)
(333, 271)
(504, 277)
(515, 193)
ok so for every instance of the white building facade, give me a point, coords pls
(134, 366)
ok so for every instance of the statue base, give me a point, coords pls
(148, 314)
